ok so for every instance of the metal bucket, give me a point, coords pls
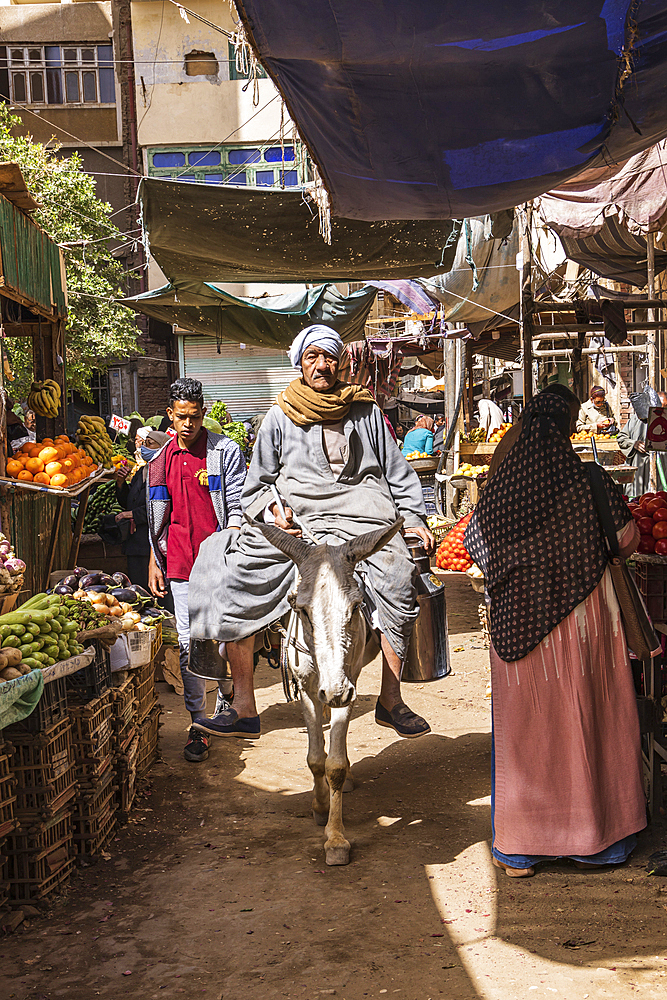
(427, 658)
(205, 660)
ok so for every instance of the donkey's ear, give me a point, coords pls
(292, 546)
(365, 545)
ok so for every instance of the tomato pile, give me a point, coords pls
(650, 513)
(451, 552)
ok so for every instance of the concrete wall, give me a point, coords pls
(173, 107)
(53, 23)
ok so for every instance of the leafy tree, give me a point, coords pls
(75, 218)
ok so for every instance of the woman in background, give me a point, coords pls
(420, 438)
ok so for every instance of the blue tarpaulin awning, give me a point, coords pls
(417, 109)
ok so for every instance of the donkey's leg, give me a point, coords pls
(312, 713)
(336, 847)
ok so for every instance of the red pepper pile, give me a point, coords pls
(650, 513)
(451, 552)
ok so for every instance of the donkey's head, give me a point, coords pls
(328, 601)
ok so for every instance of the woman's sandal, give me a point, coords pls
(514, 872)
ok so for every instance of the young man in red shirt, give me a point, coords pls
(194, 488)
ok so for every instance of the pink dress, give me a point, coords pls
(568, 770)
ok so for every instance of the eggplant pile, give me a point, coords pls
(113, 595)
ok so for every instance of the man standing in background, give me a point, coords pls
(194, 488)
(596, 415)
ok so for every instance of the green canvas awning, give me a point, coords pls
(270, 321)
(228, 234)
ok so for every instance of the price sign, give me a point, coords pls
(119, 424)
(170, 432)
(656, 430)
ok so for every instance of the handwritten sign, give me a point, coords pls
(119, 424)
(656, 430)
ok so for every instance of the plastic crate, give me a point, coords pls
(91, 681)
(651, 580)
(50, 709)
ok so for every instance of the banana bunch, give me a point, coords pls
(44, 398)
(93, 437)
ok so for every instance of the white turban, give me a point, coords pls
(324, 336)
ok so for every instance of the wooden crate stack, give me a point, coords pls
(95, 804)
(126, 743)
(147, 717)
(7, 813)
(40, 853)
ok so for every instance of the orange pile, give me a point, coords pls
(51, 462)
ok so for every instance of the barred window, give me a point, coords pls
(249, 165)
(61, 74)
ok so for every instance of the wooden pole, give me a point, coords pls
(526, 308)
(469, 366)
(651, 338)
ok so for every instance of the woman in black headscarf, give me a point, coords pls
(567, 775)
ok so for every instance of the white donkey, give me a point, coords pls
(333, 630)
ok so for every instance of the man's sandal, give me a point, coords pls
(402, 720)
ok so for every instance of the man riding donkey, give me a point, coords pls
(326, 449)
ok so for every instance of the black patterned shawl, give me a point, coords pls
(535, 532)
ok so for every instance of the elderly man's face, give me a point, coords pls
(320, 369)
(598, 400)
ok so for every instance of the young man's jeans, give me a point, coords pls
(194, 687)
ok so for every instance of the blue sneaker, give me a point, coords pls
(228, 724)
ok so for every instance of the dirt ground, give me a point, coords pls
(218, 887)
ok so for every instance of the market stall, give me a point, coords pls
(81, 729)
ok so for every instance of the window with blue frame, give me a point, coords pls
(245, 164)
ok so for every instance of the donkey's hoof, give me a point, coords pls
(320, 818)
(337, 855)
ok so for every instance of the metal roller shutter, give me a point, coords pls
(246, 379)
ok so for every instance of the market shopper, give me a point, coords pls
(326, 448)
(420, 438)
(194, 488)
(596, 415)
(131, 494)
(632, 440)
(566, 762)
(489, 416)
(439, 432)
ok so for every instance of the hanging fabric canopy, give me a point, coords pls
(614, 253)
(416, 109)
(227, 234)
(483, 280)
(633, 192)
(271, 321)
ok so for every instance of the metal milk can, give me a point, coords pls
(428, 653)
(205, 660)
